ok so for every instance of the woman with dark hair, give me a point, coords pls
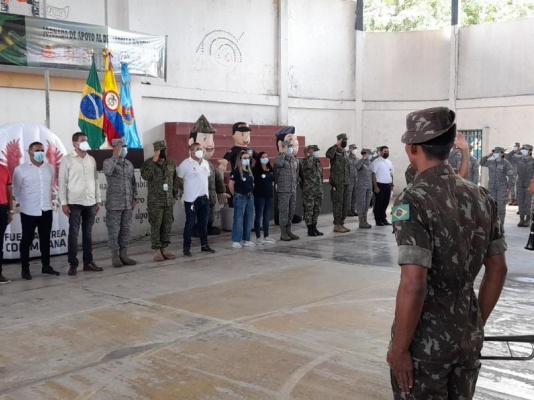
(263, 197)
(241, 185)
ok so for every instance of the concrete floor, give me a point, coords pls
(307, 319)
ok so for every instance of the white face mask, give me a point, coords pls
(524, 152)
(355, 152)
(124, 152)
(199, 153)
(84, 146)
(316, 154)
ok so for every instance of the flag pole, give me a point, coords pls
(47, 83)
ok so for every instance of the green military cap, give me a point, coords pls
(368, 151)
(159, 145)
(498, 150)
(312, 147)
(527, 147)
(422, 126)
(342, 136)
(203, 126)
(118, 143)
(352, 146)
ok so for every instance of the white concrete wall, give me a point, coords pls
(406, 66)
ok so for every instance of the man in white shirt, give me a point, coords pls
(32, 188)
(193, 174)
(80, 198)
(382, 185)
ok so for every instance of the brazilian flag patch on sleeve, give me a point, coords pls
(400, 213)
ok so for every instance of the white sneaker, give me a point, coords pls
(260, 241)
(248, 244)
(269, 240)
(236, 245)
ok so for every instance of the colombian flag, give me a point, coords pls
(130, 128)
(113, 126)
(90, 119)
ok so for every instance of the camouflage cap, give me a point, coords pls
(342, 136)
(352, 146)
(527, 147)
(118, 143)
(368, 151)
(425, 125)
(203, 126)
(312, 147)
(159, 145)
(498, 150)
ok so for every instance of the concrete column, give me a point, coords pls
(453, 53)
(283, 68)
(359, 104)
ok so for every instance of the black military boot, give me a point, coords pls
(317, 232)
(311, 231)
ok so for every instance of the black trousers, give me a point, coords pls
(4, 210)
(84, 216)
(382, 201)
(29, 223)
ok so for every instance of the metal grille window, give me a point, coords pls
(474, 138)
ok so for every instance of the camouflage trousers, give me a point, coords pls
(439, 381)
(339, 203)
(352, 195)
(312, 202)
(524, 200)
(500, 195)
(286, 207)
(363, 200)
(513, 195)
(118, 223)
(160, 220)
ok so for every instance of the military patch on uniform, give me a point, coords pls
(401, 213)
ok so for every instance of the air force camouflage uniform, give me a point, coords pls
(501, 180)
(364, 188)
(525, 173)
(352, 192)
(448, 225)
(160, 202)
(286, 176)
(121, 192)
(513, 157)
(455, 161)
(313, 187)
(339, 180)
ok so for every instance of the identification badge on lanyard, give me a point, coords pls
(165, 187)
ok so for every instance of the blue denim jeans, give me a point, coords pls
(263, 208)
(243, 217)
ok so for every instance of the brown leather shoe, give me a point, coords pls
(339, 229)
(158, 256)
(73, 270)
(167, 255)
(346, 229)
(92, 267)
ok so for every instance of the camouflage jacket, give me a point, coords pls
(215, 181)
(122, 187)
(409, 174)
(514, 159)
(473, 170)
(313, 174)
(448, 225)
(525, 171)
(365, 174)
(286, 173)
(339, 166)
(501, 173)
(157, 175)
(353, 172)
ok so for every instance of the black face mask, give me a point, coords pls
(163, 154)
(343, 143)
(385, 155)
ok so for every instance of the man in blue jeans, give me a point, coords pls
(79, 195)
(193, 174)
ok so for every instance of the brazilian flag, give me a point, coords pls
(91, 117)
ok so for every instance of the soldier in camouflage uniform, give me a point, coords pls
(352, 193)
(446, 229)
(501, 178)
(339, 180)
(202, 133)
(525, 173)
(364, 187)
(456, 161)
(313, 188)
(120, 201)
(160, 173)
(513, 157)
(286, 177)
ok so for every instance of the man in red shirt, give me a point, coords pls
(6, 214)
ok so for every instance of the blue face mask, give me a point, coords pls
(264, 161)
(316, 154)
(124, 151)
(289, 150)
(496, 156)
(524, 152)
(39, 156)
(245, 163)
